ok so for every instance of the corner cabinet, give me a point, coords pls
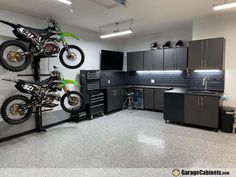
(206, 54)
(202, 111)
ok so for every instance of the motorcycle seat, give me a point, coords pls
(38, 31)
(42, 83)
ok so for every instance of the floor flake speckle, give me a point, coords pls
(126, 139)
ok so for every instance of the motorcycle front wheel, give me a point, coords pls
(11, 58)
(72, 102)
(13, 110)
(72, 59)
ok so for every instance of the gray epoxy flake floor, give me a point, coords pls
(127, 139)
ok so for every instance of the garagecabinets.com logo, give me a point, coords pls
(177, 172)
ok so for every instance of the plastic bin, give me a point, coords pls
(227, 119)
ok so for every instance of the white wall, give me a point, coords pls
(90, 43)
(143, 43)
(221, 26)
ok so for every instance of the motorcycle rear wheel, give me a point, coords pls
(15, 110)
(8, 64)
(67, 61)
(75, 105)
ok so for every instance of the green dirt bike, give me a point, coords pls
(18, 108)
(16, 55)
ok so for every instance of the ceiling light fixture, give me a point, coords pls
(225, 5)
(65, 2)
(118, 33)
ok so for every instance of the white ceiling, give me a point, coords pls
(150, 16)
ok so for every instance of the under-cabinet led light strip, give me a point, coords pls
(206, 71)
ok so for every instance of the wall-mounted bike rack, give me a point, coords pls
(39, 127)
(37, 76)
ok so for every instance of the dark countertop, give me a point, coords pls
(193, 92)
(138, 86)
(171, 90)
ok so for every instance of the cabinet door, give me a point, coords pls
(158, 59)
(169, 59)
(195, 52)
(192, 110)
(130, 61)
(214, 54)
(114, 99)
(159, 99)
(174, 107)
(148, 60)
(148, 99)
(181, 55)
(138, 61)
(210, 112)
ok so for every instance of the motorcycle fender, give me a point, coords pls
(72, 82)
(26, 43)
(71, 35)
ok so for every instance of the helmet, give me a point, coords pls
(167, 45)
(179, 44)
(55, 24)
(155, 45)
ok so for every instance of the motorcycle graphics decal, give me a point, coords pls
(28, 87)
(42, 43)
(29, 34)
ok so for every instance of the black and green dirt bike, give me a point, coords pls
(16, 55)
(18, 108)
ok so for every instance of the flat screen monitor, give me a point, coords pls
(112, 60)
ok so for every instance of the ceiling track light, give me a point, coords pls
(68, 2)
(118, 32)
(225, 5)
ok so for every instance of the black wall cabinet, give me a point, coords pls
(161, 59)
(175, 58)
(153, 60)
(135, 61)
(202, 111)
(206, 54)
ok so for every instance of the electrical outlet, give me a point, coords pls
(152, 81)
(109, 81)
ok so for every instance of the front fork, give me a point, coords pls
(66, 46)
(66, 90)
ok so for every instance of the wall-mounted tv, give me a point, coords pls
(111, 60)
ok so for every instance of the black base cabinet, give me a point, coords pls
(174, 107)
(114, 99)
(148, 99)
(202, 111)
(196, 110)
(154, 99)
